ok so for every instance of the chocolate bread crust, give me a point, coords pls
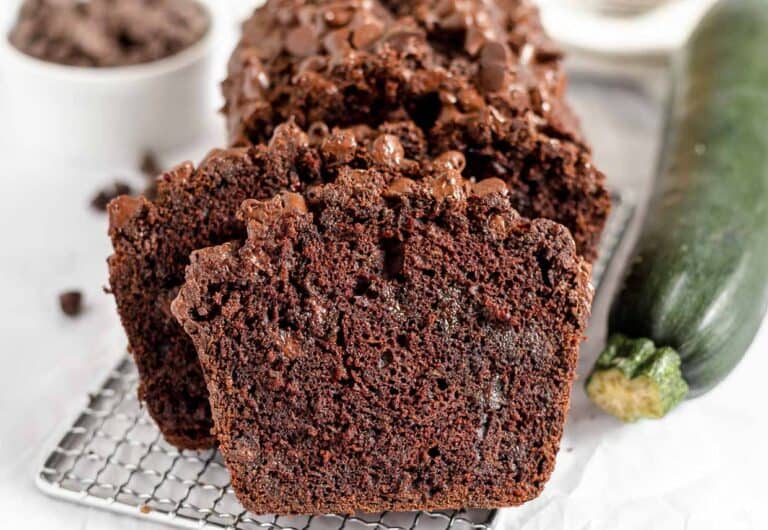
(480, 77)
(388, 347)
(152, 241)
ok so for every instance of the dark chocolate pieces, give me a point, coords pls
(102, 198)
(102, 33)
(478, 77)
(71, 303)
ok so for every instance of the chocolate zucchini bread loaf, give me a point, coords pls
(194, 208)
(476, 76)
(388, 346)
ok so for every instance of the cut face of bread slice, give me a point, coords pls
(388, 345)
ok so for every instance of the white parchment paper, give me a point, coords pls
(703, 467)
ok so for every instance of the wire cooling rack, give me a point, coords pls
(114, 457)
(613, 234)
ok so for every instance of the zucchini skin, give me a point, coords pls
(698, 282)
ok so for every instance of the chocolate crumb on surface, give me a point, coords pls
(71, 303)
(103, 33)
(102, 198)
(477, 76)
(151, 169)
(388, 344)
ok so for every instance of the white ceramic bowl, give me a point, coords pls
(106, 114)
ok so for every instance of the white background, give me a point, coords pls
(703, 467)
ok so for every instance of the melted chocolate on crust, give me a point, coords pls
(476, 76)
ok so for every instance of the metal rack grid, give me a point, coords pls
(613, 234)
(114, 457)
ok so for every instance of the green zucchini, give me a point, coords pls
(696, 290)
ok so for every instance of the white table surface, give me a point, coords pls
(703, 467)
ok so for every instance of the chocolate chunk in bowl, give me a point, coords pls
(104, 33)
(102, 86)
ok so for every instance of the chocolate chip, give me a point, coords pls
(294, 201)
(301, 41)
(337, 16)
(317, 131)
(451, 160)
(493, 77)
(454, 21)
(97, 33)
(495, 52)
(285, 16)
(387, 150)
(287, 133)
(150, 191)
(340, 145)
(494, 66)
(255, 80)
(547, 52)
(489, 186)
(449, 186)
(367, 34)
(104, 196)
(123, 209)
(474, 40)
(537, 98)
(149, 166)
(337, 42)
(470, 99)
(313, 63)
(399, 186)
(498, 227)
(401, 36)
(71, 303)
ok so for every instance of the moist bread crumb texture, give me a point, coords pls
(388, 344)
(476, 76)
(195, 208)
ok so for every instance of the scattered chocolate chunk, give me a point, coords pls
(494, 66)
(150, 191)
(301, 41)
(151, 169)
(149, 165)
(387, 150)
(71, 303)
(102, 198)
(102, 33)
